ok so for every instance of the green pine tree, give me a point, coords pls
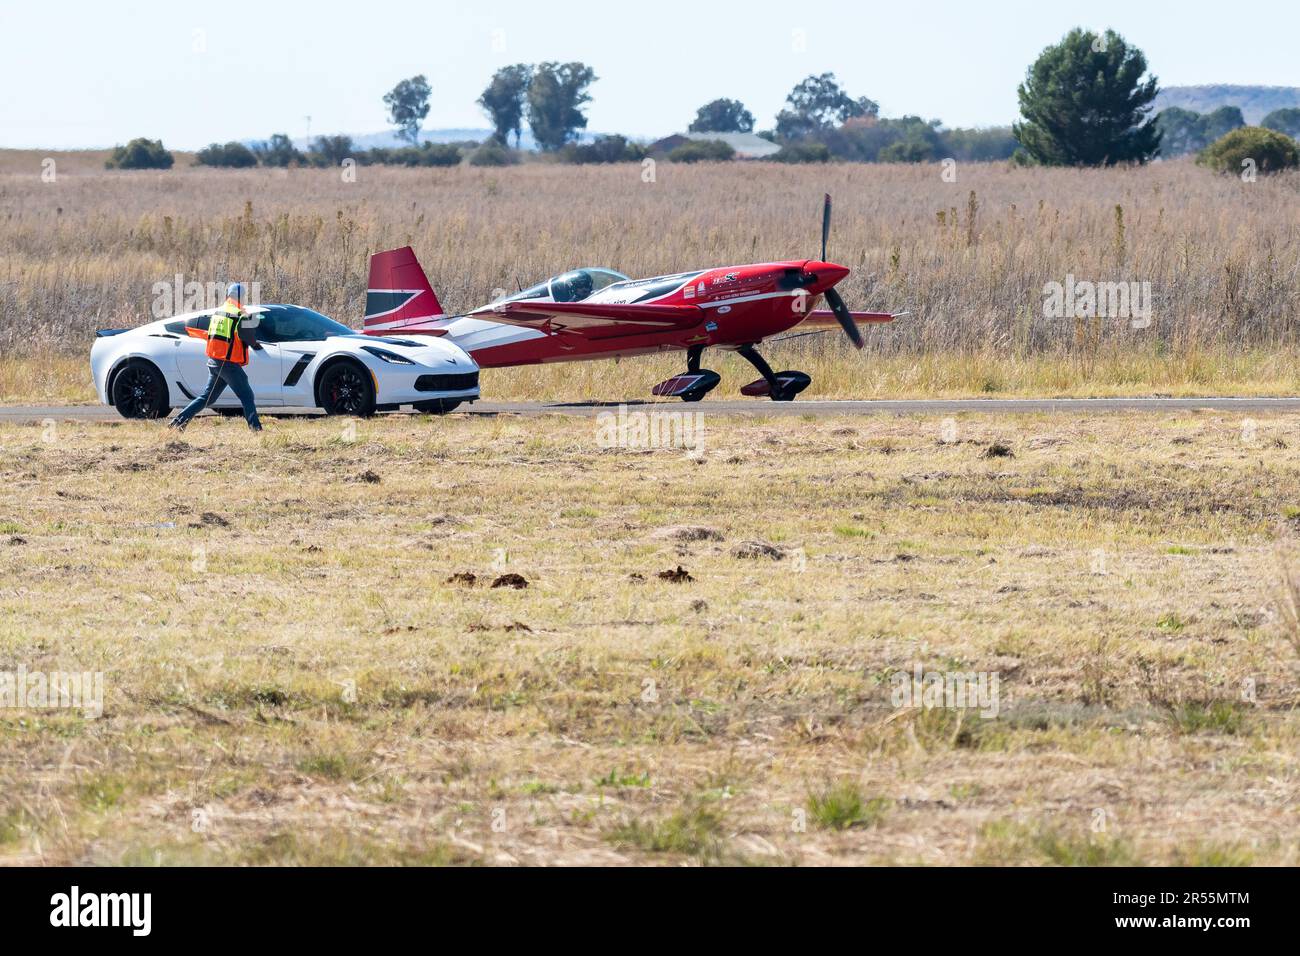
(1085, 103)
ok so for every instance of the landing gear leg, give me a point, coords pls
(693, 358)
(774, 389)
(778, 386)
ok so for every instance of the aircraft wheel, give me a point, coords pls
(793, 383)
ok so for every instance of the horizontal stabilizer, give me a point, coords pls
(827, 317)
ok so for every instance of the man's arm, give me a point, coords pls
(248, 333)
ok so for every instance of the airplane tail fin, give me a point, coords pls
(399, 297)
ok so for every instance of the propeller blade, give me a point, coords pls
(826, 224)
(845, 317)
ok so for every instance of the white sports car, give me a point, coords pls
(306, 360)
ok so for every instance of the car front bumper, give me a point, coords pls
(404, 385)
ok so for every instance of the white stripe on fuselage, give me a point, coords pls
(749, 298)
(473, 334)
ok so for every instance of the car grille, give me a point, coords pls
(447, 383)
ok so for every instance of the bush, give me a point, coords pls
(1271, 151)
(230, 156)
(426, 154)
(976, 145)
(330, 150)
(803, 153)
(278, 151)
(907, 151)
(493, 153)
(140, 154)
(708, 150)
(866, 140)
(439, 154)
(1182, 131)
(605, 149)
(1283, 121)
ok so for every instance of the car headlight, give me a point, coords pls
(392, 358)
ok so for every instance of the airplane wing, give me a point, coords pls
(588, 315)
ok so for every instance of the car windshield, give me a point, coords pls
(293, 323)
(570, 286)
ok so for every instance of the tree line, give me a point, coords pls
(1085, 101)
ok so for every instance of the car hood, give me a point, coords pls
(426, 350)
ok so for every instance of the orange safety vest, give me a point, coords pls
(224, 343)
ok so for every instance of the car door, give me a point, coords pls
(263, 368)
(191, 356)
(301, 335)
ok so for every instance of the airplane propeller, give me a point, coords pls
(842, 313)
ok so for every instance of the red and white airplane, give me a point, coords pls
(598, 313)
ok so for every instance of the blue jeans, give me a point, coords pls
(218, 379)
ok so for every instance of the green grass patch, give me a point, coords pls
(12, 823)
(344, 848)
(696, 831)
(842, 805)
(1003, 842)
(334, 766)
(852, 531)
(1216, 716)
(618, 779)
(537, 787)
(102, 792)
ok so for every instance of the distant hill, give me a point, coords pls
(1255, 102)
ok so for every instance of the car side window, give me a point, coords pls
(281, 324)
(178, 326)
(267, 328)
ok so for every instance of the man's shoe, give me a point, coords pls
(177, 424)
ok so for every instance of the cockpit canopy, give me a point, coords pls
(570, 286)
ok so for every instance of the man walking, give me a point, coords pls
(230, 335)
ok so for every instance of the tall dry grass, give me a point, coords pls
(969, 259)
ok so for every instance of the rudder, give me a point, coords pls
(398, 295)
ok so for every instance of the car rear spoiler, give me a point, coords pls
(104, 333)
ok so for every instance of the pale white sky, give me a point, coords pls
(98, 73)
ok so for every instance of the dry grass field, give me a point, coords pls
(969, 259)
(311, 649)
(294, 673)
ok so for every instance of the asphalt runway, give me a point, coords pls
(23, 414)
